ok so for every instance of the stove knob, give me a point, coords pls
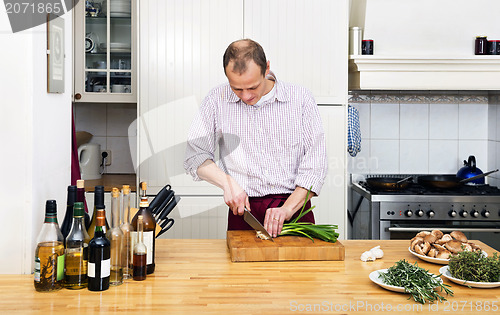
(463, 213)
(485, 213)
(452, 213)
(430, 213)
(474, 213)
(408, 213)
(420, 212)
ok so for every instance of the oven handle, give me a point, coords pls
(444, 229)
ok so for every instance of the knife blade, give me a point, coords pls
(255, 224)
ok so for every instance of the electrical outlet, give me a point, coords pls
(108, 157)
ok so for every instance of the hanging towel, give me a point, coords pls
(353, 131)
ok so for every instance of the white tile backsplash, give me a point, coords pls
(414, 156)
(443, 156)
(384, 121)
(109, 123)
(411, 132)
(384, 156)
(443, 121)
(414, 121)
(473, 122)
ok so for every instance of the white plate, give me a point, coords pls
(374, 276)
(484, 285)
(439, 261)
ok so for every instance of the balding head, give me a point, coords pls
(241, 52)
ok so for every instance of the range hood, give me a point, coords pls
(373, 72)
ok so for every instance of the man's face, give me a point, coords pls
(249, 86)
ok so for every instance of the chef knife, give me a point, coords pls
(255, 224)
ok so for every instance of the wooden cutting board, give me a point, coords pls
(246, 246)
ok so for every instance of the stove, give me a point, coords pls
(378, 214)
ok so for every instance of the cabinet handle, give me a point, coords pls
(78, 96)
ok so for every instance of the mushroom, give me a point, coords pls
(475, 247)
(467, 247)
(419, 250)
(445, 254)
(444, 239)
(432, 252)
(454, 246)
(459, 236)
(431, 238)
(439, 247)
(416, 243)
(426, 247)
(437, 233)
(423, 233)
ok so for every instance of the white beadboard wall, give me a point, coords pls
(426, 132)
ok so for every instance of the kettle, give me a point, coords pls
(89, 158)
(469, 170)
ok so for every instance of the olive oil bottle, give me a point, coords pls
(76, 251)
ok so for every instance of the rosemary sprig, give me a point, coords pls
(417, 281)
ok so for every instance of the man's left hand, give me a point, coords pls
(275, 217)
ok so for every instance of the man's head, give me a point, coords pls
(246, 68)
(240, 52)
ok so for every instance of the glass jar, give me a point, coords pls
(481, 45)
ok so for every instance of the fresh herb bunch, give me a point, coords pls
(474, 266)
(324, 232)
(417, 281)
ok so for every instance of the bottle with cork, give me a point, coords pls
(149, 226)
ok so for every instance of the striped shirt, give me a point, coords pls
(268, 148)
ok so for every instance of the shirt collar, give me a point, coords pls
(280, 94)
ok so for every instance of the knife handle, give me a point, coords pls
(160, 209)
(166, 225)
(160, 197)
(169, 208)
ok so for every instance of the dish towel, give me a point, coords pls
(353, 131)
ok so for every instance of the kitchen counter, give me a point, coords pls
(112, 180)
(197, 277)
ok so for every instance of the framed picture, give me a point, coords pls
(55, 54)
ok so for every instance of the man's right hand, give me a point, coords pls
(235, 197)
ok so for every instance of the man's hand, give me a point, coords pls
(235, 197)
(275, 217)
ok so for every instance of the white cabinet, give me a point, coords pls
(306, 42)
(105, 51)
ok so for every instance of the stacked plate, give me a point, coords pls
(120, 8)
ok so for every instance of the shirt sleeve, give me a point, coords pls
(313, 166)
(201, 142)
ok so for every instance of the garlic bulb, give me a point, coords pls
(368, 256)
(377, 252)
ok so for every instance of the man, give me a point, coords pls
(270, 139)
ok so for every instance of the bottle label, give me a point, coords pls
(105, 269)
(148, 241)
(60, 267)
(37, 269)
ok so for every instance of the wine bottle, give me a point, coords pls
(98, 270)
(140, 253)
(68, 217)
(149, 229)
(126, 228)
(98, 204)
(49, 253)
(115, 236)
(77, 251)
(80, 197)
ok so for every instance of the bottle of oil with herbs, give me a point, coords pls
(49, 254)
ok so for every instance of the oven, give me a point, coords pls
(378, 214)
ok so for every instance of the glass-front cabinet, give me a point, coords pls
(105, 51)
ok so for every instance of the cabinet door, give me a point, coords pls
(306, 42)
(105, 53)
(331, 203)
(181, 49)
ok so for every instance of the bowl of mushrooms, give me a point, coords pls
(437, 247)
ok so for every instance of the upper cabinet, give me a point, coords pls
(305, 41)
(105, 51)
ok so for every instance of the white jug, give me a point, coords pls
(89, 157)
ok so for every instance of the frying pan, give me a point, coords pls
(447, 181)
(388, 183)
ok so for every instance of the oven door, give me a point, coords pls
(486, 232)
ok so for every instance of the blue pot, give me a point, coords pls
(470, 170)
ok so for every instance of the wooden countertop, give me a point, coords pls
(112, 180)
(197, 277)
